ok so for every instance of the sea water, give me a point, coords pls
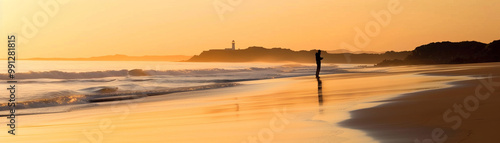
(57, 83)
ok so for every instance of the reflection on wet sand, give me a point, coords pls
(320, 95)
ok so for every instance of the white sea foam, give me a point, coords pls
(297, 69)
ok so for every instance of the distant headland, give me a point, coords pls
(434, 53)
(261, 54)
(450, 53)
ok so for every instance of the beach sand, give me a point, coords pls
(396, 104)
(414, 116)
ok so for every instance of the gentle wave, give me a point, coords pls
(56, 88)
(102, 94)
(140, 72)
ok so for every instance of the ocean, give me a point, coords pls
(44, 84)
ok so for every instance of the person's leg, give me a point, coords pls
(318, 68)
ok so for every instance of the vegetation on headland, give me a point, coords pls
(449, 53)
(261, 54)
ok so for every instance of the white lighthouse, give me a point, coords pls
(234, 45)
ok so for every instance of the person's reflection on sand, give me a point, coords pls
(320, 95)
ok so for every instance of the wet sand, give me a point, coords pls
(413, 117)
(399, 104)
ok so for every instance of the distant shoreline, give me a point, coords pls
(430, 54)
(170, 58)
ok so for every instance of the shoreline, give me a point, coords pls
(414, 117)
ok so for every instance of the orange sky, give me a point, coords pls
(85, 28)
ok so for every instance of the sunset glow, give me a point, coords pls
(86, 28)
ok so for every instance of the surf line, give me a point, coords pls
(11, 64)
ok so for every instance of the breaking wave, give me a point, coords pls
(139, 72)
(59, 88)
(102, 94)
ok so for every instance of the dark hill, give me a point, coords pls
(491, 53)
(450, 53)
(260, 54)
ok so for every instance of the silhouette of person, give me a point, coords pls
(318, 63)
